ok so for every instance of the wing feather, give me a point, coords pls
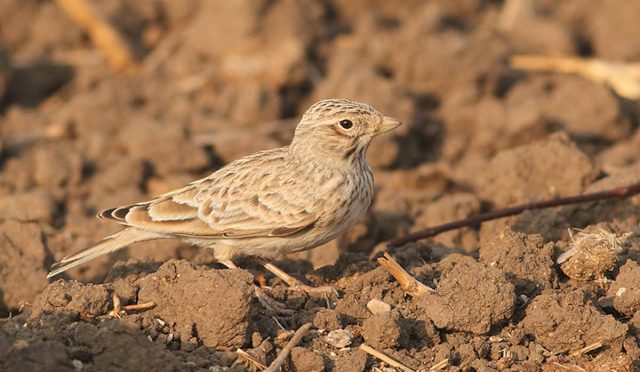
(245, 199)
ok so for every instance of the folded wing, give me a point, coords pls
(225, 205)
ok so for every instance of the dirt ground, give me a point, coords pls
(219, 80)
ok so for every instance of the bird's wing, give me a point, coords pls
(252, 197)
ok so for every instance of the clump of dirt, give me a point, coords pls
(351, 362)
(382, 331)
(56, 343)
(470, 296)
(207, 306)
(361, 288)
(524, 258)
(537, 171)
(32, 206)
(141, 142)
(328, 319)
(568, 321)
(24, 257)
(306, 360)
(81, 314)
(454, 207)
(625, 290)
(73, 298)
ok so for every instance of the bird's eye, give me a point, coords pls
(346, 124)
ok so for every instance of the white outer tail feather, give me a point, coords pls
(110, 244)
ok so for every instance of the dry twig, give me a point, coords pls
(284, 354)
(118, 309)
(440, 365)
(385, 358)
(569, 367)
(624, 78)
(103, 35)
(586, 349)
(135, 307)
(408, 283)
(614, 193)
(251, 359)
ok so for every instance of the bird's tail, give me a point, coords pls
(110, 244)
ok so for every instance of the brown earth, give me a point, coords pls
(219, 80)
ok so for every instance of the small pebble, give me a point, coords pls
(339, 338)
(153, 333)
(162, 338)
(378, 307)
(77, 365)
(256, 339)
(190, 345)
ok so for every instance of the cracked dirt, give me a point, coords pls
(220, 80)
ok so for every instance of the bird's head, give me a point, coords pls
(339, 129)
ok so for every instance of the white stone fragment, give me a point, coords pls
(378, 307)
(339, 338)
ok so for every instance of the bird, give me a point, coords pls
(267, 204)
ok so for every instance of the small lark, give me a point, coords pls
(267, 204)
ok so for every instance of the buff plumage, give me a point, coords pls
(269, 203)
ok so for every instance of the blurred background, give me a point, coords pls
(108, 102)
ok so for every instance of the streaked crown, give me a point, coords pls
(331, 108)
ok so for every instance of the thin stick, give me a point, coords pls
(278, 323)
(624, 78)
(617, 192)
(117, 306)
(440, 365)
(385, 358)
(408, 283)
(144, 306)
(261, 366)
(118, 309)
(551, 64)
(561, 366)
(586, 349)
(284, 354)
(103, 35)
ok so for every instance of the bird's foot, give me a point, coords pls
(270, 303)
(295, 284)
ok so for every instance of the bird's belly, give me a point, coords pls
(267, 247)
(274, 247)
(345, 211)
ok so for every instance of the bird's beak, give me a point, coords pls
(388, 123)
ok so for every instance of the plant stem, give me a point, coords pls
(614, 193)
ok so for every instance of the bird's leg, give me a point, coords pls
(294, 284)
(269, 303)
